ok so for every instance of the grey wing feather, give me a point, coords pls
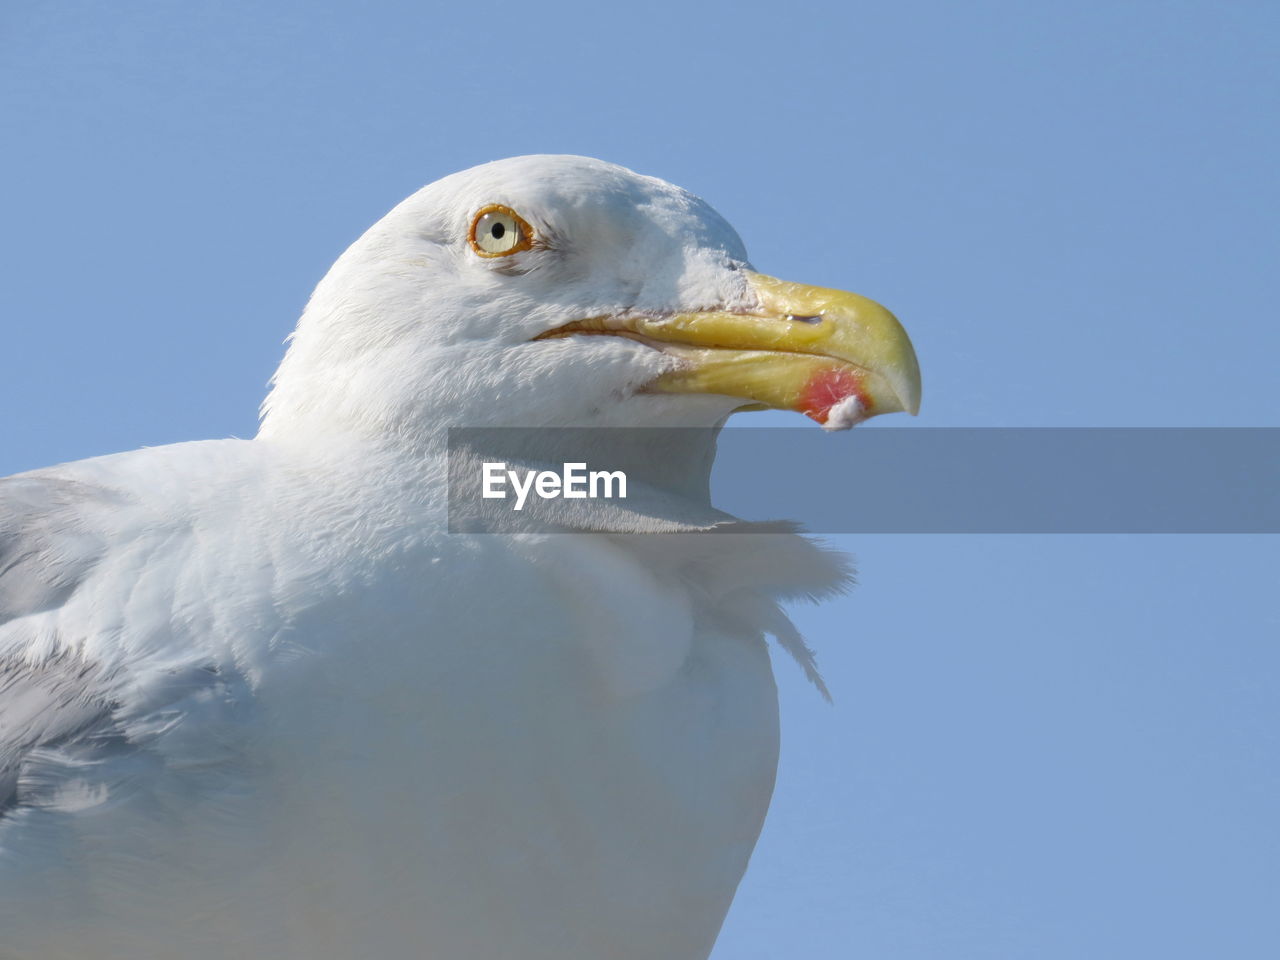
(46, 551)
(45, 546)
(45, 704)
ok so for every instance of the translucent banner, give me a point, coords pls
(870, 480)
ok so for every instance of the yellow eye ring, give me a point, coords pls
(498, 231)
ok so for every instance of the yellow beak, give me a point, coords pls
(835, 356)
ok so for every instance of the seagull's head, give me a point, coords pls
(565, 291)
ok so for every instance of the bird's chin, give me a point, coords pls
(650, 409)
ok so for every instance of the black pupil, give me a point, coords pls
(497, 230)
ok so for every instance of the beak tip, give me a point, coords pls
(906, 391)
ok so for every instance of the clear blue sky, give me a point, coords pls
(1050, 747)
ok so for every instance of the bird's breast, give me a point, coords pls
(532, 747)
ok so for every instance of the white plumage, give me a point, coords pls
(255, 701)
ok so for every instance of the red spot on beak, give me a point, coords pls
(828, 387)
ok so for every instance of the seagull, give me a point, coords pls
(258, 697)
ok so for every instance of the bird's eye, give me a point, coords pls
(498, 231)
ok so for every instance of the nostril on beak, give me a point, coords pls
(805, 318)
